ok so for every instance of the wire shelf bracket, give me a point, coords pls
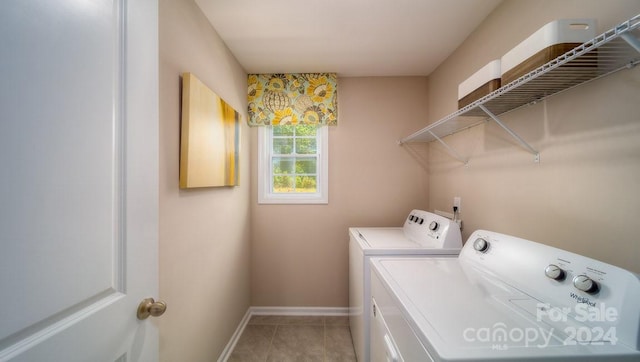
(452, 152)
(522, 142)
(631, 40)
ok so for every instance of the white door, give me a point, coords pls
(78, 179)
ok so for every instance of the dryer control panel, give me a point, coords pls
(432, 230)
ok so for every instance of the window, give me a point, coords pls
(293, 164)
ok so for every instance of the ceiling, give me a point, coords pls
(349, 37)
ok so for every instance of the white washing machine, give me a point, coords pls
(423, 233)
(504, 299)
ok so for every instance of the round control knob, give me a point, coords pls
(586, 284)
(554, 272)
(481, 245)
(433, 226)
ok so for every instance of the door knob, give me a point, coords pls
(149, 307)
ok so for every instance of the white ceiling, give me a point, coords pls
(350, 37)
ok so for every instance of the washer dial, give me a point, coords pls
(554, 272)
(585, 284)
(433, 226)
(481, 245)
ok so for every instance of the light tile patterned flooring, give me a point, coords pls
(295, 338)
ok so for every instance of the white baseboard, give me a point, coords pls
(293, 311)
(226, 352)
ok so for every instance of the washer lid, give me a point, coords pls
(459, 311)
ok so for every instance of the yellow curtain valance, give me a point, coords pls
(304, 98)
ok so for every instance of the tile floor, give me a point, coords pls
(295, 338)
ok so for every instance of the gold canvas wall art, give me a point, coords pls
(210, 135)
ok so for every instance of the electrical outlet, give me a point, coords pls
(456, 202)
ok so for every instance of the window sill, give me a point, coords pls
(292, 199)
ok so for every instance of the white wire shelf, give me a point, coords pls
(612, 51)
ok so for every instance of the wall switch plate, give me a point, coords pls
(456, 202)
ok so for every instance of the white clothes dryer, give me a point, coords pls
(423, 233)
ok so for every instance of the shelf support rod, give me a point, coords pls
(451, 151)
(632, 40)
(513, 134)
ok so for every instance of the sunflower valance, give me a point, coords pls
(304, 98)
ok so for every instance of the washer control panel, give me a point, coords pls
(517, 258)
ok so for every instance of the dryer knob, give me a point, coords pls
(554, 272)
(433, 226)
(585, 284)
(481, 245)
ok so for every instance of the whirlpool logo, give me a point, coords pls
(582, 300)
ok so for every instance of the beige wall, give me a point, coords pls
(583, 196)
(300, 252)
(204, 233)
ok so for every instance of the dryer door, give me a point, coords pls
(383, 348)
(392, 339)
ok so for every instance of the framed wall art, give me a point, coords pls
(210, 137)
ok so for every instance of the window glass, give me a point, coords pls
(293, 161)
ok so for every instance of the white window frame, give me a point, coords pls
(265, 193)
